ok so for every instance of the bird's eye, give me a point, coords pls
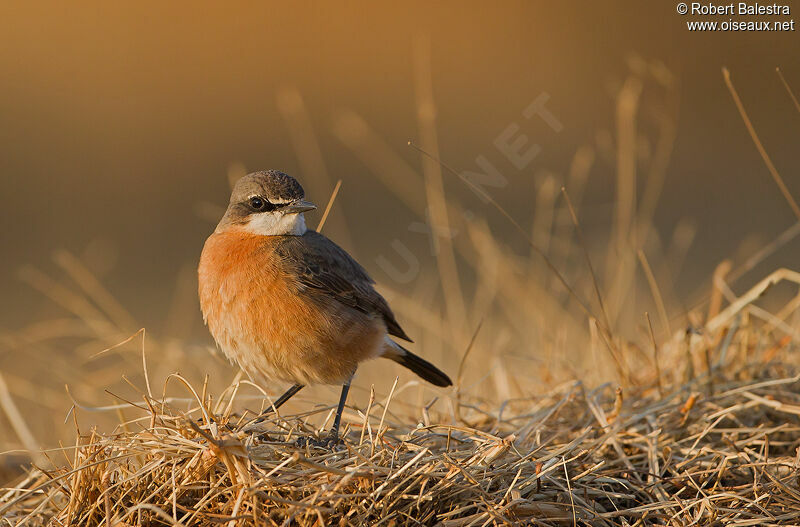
(257, 203)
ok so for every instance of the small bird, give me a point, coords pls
(288, 304)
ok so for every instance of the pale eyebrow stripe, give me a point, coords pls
(277, 201)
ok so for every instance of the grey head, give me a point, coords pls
(268, 203)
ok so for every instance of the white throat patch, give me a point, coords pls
(277, 224)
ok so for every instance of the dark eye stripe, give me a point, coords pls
(259, 204)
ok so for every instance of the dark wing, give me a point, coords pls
(322, 266)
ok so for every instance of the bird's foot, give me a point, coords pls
(253, 427)
(331, 442)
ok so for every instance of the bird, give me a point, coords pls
(287, 304)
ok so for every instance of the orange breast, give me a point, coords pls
(264, 320)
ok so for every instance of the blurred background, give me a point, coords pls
(123, 126)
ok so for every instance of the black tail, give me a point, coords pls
(421, 367)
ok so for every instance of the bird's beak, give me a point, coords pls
(299, 206)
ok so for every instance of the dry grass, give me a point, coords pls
(698, 426)
(720, 449)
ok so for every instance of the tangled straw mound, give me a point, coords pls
(719, 447)
(575, 456)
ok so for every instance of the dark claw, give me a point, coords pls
(326, 443)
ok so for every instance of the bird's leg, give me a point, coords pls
(279, 402)
(339, 410)
(333, 438)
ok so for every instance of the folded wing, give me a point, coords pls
(323, 267)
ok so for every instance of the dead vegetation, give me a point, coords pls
(719, 449)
